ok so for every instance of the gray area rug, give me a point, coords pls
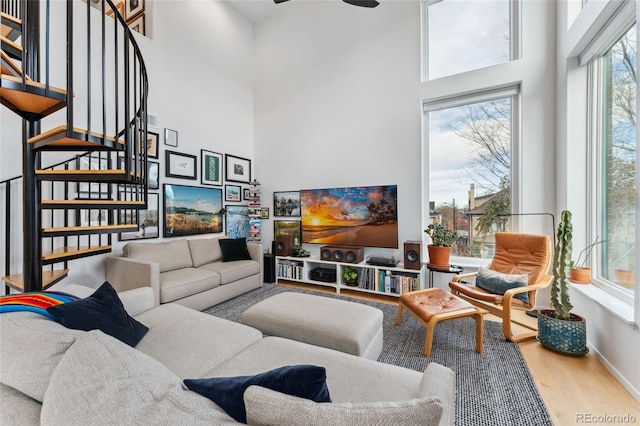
(493, 388)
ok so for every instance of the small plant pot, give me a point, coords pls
(352, 283)
(567, 337)
(439, 256)
(580, 275)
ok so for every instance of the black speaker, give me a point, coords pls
(413, 255)
(345, 254)
(284, 245)
(269, 260)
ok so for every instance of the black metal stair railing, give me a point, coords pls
(106, 115)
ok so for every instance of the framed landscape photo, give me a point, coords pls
(180, 165)
(152, 145)
(170, 137)
(190, 210)
(287, 227)
(286, 203)
(211, 168)
(236, 221)
(148, 220)
(153, 175)
(232, 192)
(237, 169)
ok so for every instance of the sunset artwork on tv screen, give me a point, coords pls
(359, 216)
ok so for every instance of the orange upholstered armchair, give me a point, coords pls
(517, 271)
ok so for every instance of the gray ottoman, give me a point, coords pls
(348, 327)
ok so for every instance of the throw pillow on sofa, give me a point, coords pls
(234, 249)
(304, 381)
(104, 311)
(266, 407)
(102, 381)
(37, 301)
(498, 283)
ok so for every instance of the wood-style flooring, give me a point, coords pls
(576, 391)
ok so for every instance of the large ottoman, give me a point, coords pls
(345, 326)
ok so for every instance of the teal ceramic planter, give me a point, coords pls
(568, 337)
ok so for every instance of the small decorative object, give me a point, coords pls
(237, 169)
(264, 213)
(170, 137)
(232, 192)
(350, 275)
(580, 273)
(211, 168)
(153, 175)
(558, 328)
(440, 248)
(181, 165)
(190, 210)
(286, 203)
(299, 251)
(152, 145)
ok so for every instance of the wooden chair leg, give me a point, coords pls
(428, 339)
(399, 318)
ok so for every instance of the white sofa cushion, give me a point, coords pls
(170, 255)
(102, 381)
(233, 271)
(205, 250)
(266, 407)
(32, 346)
(184, 282)
(191, 343)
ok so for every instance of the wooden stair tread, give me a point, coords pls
(65, 252)
(104, 176)
(57, 137)
(8, 43)
(93, 203)
(93, 228)
(10, 25)
(49, 278)
(32, 100)
(9, 67)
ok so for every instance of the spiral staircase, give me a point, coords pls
(77, 79)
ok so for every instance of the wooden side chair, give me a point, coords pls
(516, 254)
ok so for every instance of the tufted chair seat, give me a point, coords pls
(516, 254)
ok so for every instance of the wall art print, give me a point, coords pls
(190, 210)
(211, 168)
(180, 165)
(237, 221)
(286, 203)
(237, 169)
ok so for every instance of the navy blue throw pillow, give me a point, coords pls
(234, 249)
(103, 311)
(303, 381)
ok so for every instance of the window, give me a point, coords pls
(464, 35)
(470, 146)
(615, 153)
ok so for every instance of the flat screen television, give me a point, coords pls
(364, 216)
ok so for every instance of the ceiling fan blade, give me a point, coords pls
(279, 1)
(362, 3)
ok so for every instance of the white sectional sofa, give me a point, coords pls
(56, 376)
(188, 272)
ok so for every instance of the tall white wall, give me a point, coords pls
(200, 67)
(336, 102)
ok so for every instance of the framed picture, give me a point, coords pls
(147, 220)
(137, 24)
(180, 165)
(132, 8)
(190, 210)
(211, 168)
(153, 175)
(237, 169)
(264, 213)
(245, 194)
(236, 221)
(232, 193)
(286, 203)
(287, 227)
(152, 145)
(170, 137)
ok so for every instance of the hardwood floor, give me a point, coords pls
(576, 391)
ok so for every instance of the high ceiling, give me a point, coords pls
(254, 10)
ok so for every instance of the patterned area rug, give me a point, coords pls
(493, 388)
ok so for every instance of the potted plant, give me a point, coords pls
(558, 328)
(580, 273)
(350, 275)
(440, 248)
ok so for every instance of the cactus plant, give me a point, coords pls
(561, 265)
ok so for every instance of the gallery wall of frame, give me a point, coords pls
(135, 12)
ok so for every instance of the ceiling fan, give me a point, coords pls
(361, 3)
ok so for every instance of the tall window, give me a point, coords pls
(470, 163)
(464, 35)
(617, 149)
